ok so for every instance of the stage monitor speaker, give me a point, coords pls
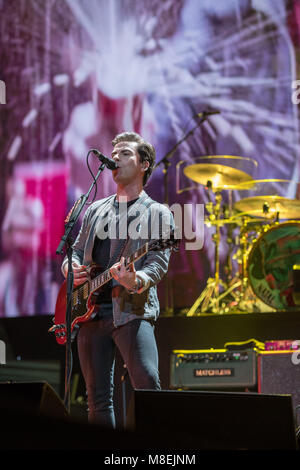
(37, 398)
(214, 420)
(33, 371)
(33, 417)
(279, 372)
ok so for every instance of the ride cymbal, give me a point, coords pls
(269, 206)
(217, 176)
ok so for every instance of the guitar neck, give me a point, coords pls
(105, 277)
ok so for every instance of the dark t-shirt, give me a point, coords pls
(101, 256)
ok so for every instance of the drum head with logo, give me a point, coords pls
(270, 265)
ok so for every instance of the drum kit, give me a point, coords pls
(262, 237)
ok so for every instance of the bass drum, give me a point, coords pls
(270, 265)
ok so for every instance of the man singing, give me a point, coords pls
(128, 305)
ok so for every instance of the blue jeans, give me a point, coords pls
(97, 341)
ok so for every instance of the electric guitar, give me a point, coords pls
(83, 307)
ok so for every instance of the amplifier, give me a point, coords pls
(279, 373)
(213, 369)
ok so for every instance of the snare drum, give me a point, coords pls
(270, 264)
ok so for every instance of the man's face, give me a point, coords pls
(130, 169)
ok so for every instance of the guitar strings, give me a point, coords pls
(127, 261)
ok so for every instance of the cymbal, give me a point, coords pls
(221, 222)
(234, 220)
(268, 206)
(220, 176)
(250, 184)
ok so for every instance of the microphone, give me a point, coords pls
(208, 113)
(108, 162)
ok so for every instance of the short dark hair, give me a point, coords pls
(145, 150)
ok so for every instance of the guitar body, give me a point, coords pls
(81, 312)
(83, 306)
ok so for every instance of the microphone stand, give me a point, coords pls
(123, 382)
(165, 161)
(67, 240)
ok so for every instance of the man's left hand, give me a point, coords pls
(125, 275)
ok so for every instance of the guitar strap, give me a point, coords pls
(120, 244)
(120, 247)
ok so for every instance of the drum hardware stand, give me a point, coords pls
(209, 299)
(227, 210)
(228, 266)
(242, 280)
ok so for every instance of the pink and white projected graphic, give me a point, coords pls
(77, 72)
(31, 230)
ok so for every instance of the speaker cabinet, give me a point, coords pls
(279, 373)
(214, 420)
(33, 371)
(33, 417)
(37, 398)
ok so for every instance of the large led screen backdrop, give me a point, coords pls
(77, 72)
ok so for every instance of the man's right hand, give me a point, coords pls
(80, 273)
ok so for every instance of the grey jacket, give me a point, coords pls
(151, 268)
